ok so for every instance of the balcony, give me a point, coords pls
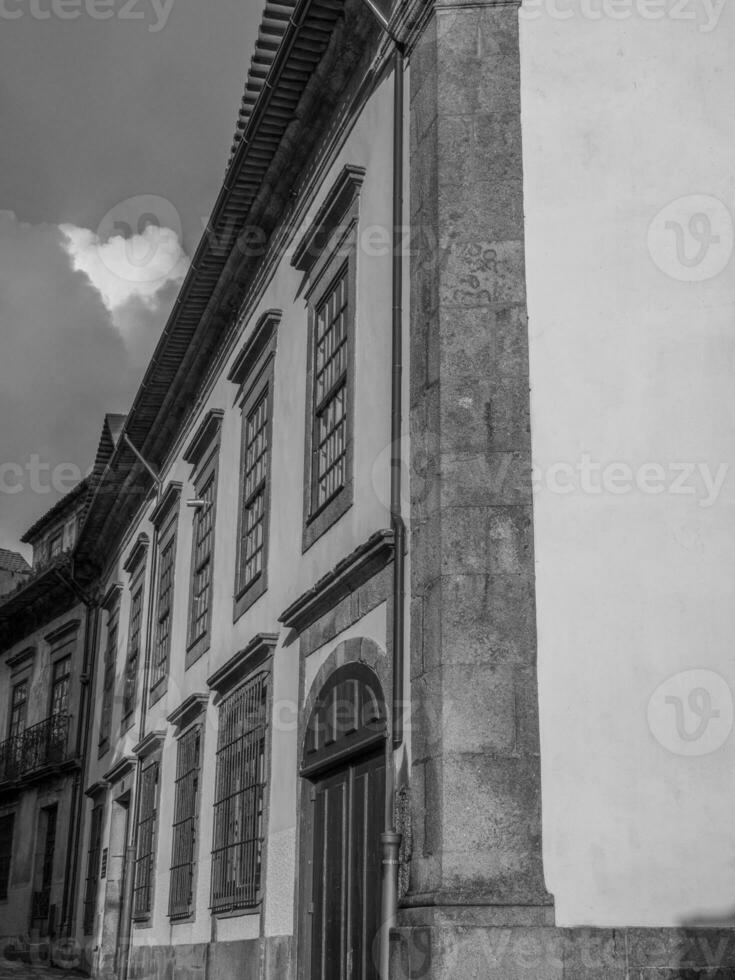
(39, 748)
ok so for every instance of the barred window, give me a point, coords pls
(18, 708)
(252, 544)
(131, 667)
(108, 682)
(61, 674)
(239, 795)
(330, 393)
(146, 857)
(202, 580)
(93, 868)
(186, 813)
(6, 850)
(162, 643)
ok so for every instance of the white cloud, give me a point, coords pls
(121, 268)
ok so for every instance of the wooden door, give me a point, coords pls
(348, 817)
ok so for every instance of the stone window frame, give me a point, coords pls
(203, 455)
(135, 566)
(165, 519)
(150, 754)
(255, 660)
(111, 604)
(254, 372)
(191, 720)
(5, 815)
(325, 253)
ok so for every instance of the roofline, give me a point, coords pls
(228, 214)
(59, 507)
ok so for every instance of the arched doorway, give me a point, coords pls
(344, 762)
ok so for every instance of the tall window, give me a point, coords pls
(330, 393)
(327, 254)
(252, 540)
(61, 673)
(201, 598)
(186, 812)
(108, 681)
(239, 794)
(162, 641)
(93, 867)
(56, 544)
(131, 666)
(18, 709)
(6, 850)
(146, 856)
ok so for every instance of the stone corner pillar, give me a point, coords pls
(475, 740)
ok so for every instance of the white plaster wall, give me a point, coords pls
(290, 573)
(633, 363)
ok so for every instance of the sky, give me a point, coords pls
(117, 120)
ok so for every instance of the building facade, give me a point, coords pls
(45, 628)
(336, 548)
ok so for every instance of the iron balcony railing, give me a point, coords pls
(41, 745)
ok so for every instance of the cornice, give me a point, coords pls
(169, 501)
(348, 575)
(137, 553)
(254, 655)
(204, 436)
(188, 711)
(120, 769)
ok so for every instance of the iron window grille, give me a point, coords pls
(185, 825)
(131, 666)
(255, 498)
(6, 850)
(93, 868)
(202, 577)
(239, 798)
(145, 858)
(108, 683)
(329, 470)
(162, 643)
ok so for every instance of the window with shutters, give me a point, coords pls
(203, 455)
(164, 606)
(18, 709)
(94, 855)
(328, 256)
(130, 681)
(108, 679)
(239, 797)
(7, 824)
(61, 674)
(146, 856)
(254, 372)
(185, 825)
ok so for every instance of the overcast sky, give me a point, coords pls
(117, 119)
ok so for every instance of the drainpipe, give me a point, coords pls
(390, 841)
(131, 850)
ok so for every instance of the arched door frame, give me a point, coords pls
(347, 722)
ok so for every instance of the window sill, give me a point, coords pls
(158, 691)
(196, 650)
(320, 523)
(182, 920)
(248, 596)
(238, 913)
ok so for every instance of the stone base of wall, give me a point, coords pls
(256, 959)
(491, 943)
